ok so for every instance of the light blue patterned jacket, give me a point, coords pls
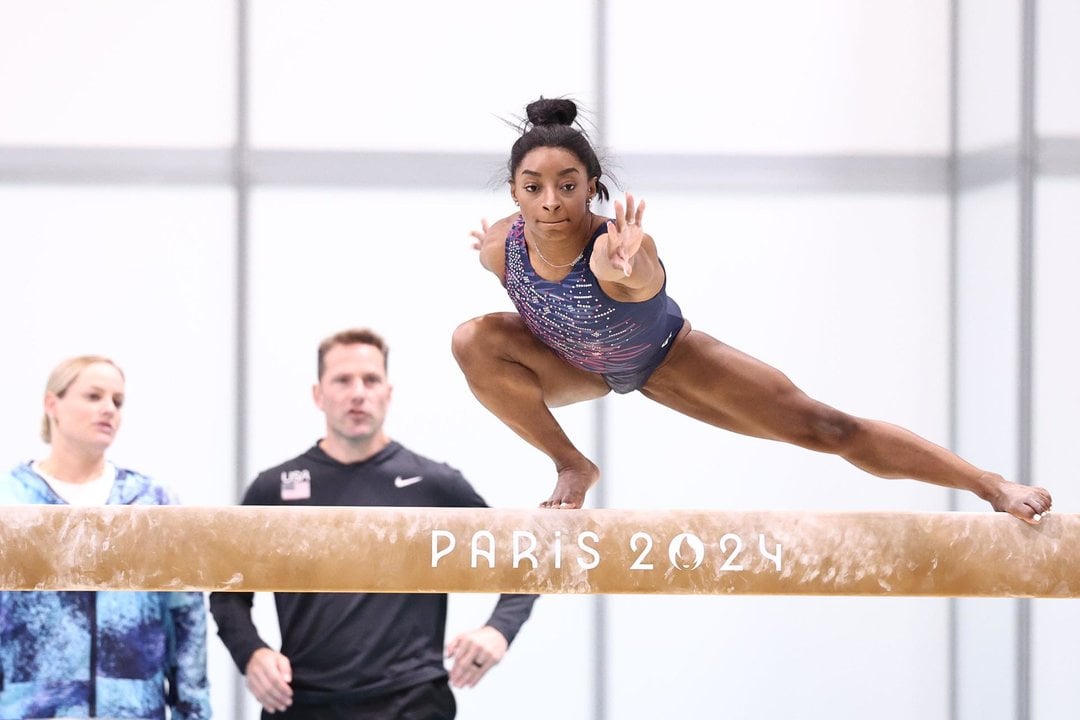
(100, 654)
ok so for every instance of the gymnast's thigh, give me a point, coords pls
(484, 344)
(718, 384)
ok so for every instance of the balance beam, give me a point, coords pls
(421, 550)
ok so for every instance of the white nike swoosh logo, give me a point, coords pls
(406, 482)
(664, 344)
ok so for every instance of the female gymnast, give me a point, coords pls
(593, 316)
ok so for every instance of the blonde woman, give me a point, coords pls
(95, 654)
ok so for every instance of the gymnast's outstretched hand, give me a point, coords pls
(624, 235)
(481, 236)
(490, 242)
(475, 653)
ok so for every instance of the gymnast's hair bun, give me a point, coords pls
(551, 112)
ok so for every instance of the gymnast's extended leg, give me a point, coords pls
(708, 380)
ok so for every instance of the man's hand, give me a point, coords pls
(475, 653)
(268, 676)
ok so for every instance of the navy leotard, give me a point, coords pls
(622, 341)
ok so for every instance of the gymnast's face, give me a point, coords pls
(88, 412)
(553, 190)
(354, 392)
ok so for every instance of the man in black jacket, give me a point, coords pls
(362, 655)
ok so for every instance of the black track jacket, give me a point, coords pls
(361, 645)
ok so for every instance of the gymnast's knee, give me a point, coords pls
(480, 338)
(830, 430)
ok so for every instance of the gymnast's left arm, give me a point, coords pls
(624, 258)
(189, 692)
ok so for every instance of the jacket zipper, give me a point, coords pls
(93, 654)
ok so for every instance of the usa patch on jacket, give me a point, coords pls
(295, 485)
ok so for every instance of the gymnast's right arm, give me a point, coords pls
(491, 244)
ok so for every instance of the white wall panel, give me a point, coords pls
(987, 396)
(987, 330)
(1058, 67)
(988, 93)
(1055, 625)
(424, 75)
(117, 72)
(987, 657)
(773, 657)
(839, 76)
(1057, 342)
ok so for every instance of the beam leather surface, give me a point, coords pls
(44, 547)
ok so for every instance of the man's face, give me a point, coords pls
(354, 392)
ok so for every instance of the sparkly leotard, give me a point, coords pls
(623, 341)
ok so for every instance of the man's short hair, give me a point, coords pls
(353, 336)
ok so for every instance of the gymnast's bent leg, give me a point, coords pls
(518, 378)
